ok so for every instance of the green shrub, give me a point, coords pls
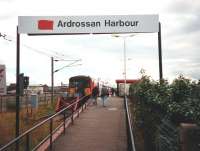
(155, 101)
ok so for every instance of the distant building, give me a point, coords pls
(120, 86)
(58, 89)
(11, 89)
(37, 89)
(45, 88)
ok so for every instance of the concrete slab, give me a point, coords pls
(97, 129)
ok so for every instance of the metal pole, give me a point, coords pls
(124, 66)
(160, 53)
(17, 89)
(52, 79)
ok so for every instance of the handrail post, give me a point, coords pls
(64, 121)
(78, 112)
(28, 142)
(72, 117)
(51, 133)
(82, 107)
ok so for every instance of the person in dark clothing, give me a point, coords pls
(112, 91)
(95, 93)
(104, 95)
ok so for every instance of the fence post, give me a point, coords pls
(45, 99)
(1, 105)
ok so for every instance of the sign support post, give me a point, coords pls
(160, 53)
(17, 89)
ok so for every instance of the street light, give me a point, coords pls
(124, 39)
(54, 71)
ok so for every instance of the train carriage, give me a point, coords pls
(80, 87)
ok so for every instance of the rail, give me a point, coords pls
(51, 131)
(130, 138)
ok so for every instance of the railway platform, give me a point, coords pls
(98, 128)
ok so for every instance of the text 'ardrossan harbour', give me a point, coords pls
(105, 23)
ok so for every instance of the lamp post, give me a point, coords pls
(53, 71)
(124, 41)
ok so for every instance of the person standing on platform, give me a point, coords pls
(104, 95)
(95, 93)
(112, 91)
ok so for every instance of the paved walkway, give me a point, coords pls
(97, 129)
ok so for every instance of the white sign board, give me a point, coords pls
(2, 80)
(88, 24)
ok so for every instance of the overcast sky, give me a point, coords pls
(102, 55)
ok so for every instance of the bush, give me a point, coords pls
(155, 101)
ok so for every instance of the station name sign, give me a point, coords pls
(88, 24)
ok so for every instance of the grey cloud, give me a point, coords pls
(187, 14)
(184, 6)
(185, 24)
(179, 67)
(182, 45)
(8, 9)
(7, 16)
(192, 24)
(195, 75)
(179, 6)
(197, 59)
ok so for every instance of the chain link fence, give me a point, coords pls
(168, 136)
(7, 102)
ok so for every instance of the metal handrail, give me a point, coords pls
(26, 133)
(131, 144)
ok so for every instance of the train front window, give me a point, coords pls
(79, 83)
(75, 84)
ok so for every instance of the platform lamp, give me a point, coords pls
(124, 40)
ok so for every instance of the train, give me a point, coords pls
(80, 87)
